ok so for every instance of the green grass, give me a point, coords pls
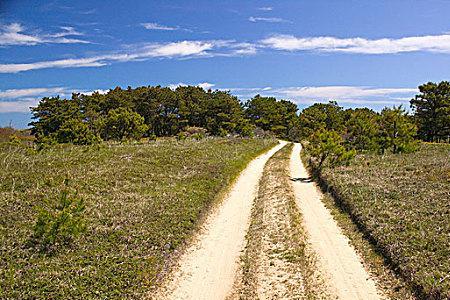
(141, 202)
(402, 202)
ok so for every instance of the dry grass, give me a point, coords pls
(142, 201)
(277, 261)
(402, 203)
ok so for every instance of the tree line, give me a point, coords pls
(334, 135)
(155, 111)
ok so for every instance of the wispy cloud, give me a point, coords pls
(330, 92)
(203, 85)
(182, 49)
(20, 100)
(156, 26)
(268, 20)
(265, 8)
(21, 106)
(14, 34)
(429, 43)
(99, 91)
(20, 93)
(351, 95)
(177, 49)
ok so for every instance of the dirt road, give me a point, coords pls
(343, 271)
(207, 269)
(277, 263)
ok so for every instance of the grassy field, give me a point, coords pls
(141, 202)
(403, 203)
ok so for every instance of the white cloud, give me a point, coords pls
(20, 100)
(169, 50)
(430, 43)
(63, 63)
(14, 34)
(20, 93)
(269, 20)
(342, 92)
(360, 95)
(204, 85)
(265, 8)
(156, 26)
(184, 48)
(242, 48)
(100, 91)
(17, 106)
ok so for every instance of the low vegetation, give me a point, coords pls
(11, 135)
(401, 202)
(103, 221)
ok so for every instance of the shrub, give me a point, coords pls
(222, 132)
(181, 136)
(76, 132)
(247, 130)
(122, 123)
(397, 131)
(362, 129)
(15, 140)
(327, 147)
(191, 130)
(197, 136)
(60, 224)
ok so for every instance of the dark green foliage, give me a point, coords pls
(267, 113)
(335, 134)
(76, 132)
(396, 131)
(148, 111)
(51, 116)
(432, 111)
(362, 129)
(121, 123)
(319, 116)
(59, 224)
(327, 147)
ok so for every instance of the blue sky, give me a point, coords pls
(360, 53)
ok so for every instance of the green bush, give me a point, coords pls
(197, 136)
(327, 147)
(122, 123)
(181, 136)
(397, 131)
(222, 132)
(15, 140)
(59, 224)
(76, 132)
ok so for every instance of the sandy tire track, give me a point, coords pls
(337, 259)
(207, 268)
(277, 262)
